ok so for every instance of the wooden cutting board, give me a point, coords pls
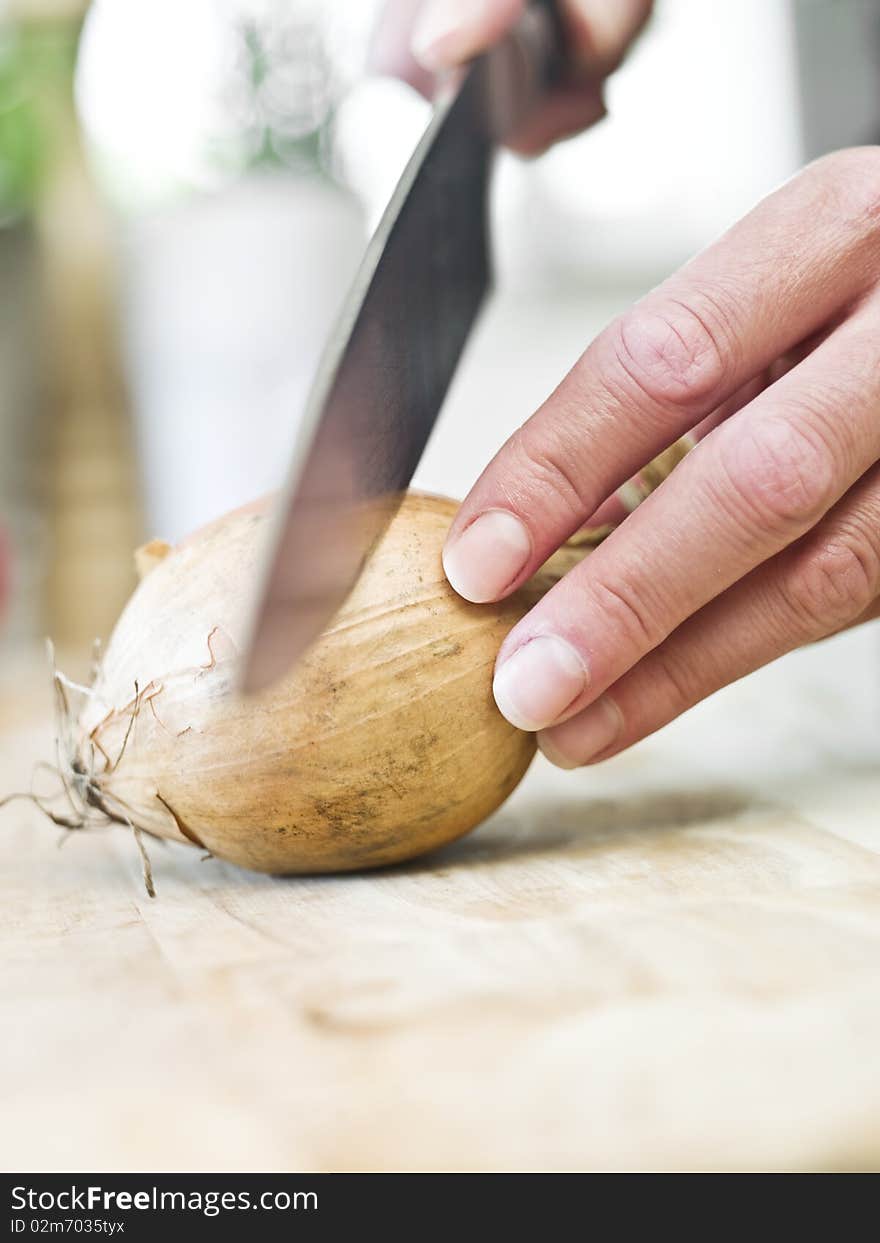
(671, 961)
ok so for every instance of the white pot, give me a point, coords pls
(228, 300)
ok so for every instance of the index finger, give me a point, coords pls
(656, 371)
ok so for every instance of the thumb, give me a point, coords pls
(448, 32)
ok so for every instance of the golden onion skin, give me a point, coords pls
(384, 742)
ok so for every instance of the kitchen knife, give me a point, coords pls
(388, 364)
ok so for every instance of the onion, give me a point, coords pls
(383, 742)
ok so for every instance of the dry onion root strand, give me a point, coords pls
(86, 803)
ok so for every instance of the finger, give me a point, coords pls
(826, 582)
(872, 613)
(661, 368)
(448, 32)
(389, 51)
(600, 31)
(752, 487)
(631, 494)
(566, 111)
(597, 32)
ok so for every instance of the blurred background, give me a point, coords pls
(186, 190)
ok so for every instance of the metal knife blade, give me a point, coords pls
(389, 362)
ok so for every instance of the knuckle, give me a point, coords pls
(782, 475)
(551, 468)
(631, 614)
(853, 178)
(833, 583)
(672, 353)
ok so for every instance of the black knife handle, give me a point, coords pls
(551, 34)
(516, 73)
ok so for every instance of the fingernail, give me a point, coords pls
(581, 739)
(538, 682)
(441, 34)
(486, 558)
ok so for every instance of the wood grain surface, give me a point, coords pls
(671, 961)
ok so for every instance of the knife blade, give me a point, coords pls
(388, 364)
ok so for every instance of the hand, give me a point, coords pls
(764, 538)
(417, 39)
